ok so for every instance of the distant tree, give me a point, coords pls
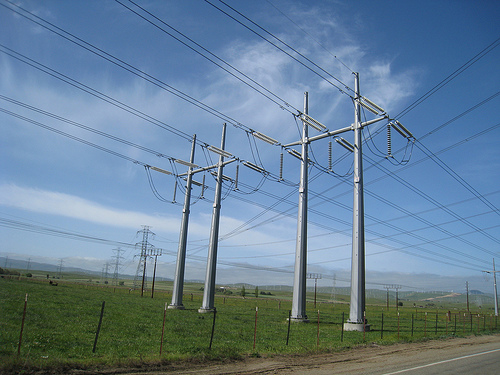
(243, 292)
(256, 291)
(29, 274)
(9, 272)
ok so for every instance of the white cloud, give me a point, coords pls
(66, 205)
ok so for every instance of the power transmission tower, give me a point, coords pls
(105, 271)
(116, 258)
(59, 268)
(300, 274)
(181, 252)
(140, 281)
(356, 321)
(208, 303)
(333, 296)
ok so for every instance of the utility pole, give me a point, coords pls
(467, 289)
(387, 298)
(181, 252)
(397, 287)
(494, 287)
(154, 253)
(314, 276)
(208, 304)
(300, 274)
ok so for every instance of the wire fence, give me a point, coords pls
(71, 321)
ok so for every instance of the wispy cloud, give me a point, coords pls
(71, 206)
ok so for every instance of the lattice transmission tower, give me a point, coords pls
(117, 262)
(145, 246)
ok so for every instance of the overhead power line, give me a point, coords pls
(457, 177)
(267, 93)
(449, 78)
(310, 36)
(73, 137)
(343, 90)
(106, 98)
(40, 229)
(124, 65)
(84, 127)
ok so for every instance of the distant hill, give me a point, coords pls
(10, 263)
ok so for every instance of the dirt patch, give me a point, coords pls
(446, 296)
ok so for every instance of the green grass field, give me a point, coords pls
(61, 323)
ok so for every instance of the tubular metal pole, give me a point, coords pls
(209, 291)
(357, 305)
(181, 252)
(300, 274)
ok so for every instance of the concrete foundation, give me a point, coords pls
(176, 307)
(360, 327)
(299, 320)
(202, 310)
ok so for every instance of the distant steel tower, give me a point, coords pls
(116, 258)
(140, 274)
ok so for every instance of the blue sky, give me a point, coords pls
(424, 215)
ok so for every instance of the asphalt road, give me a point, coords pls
(479, 363)
(477, 359)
